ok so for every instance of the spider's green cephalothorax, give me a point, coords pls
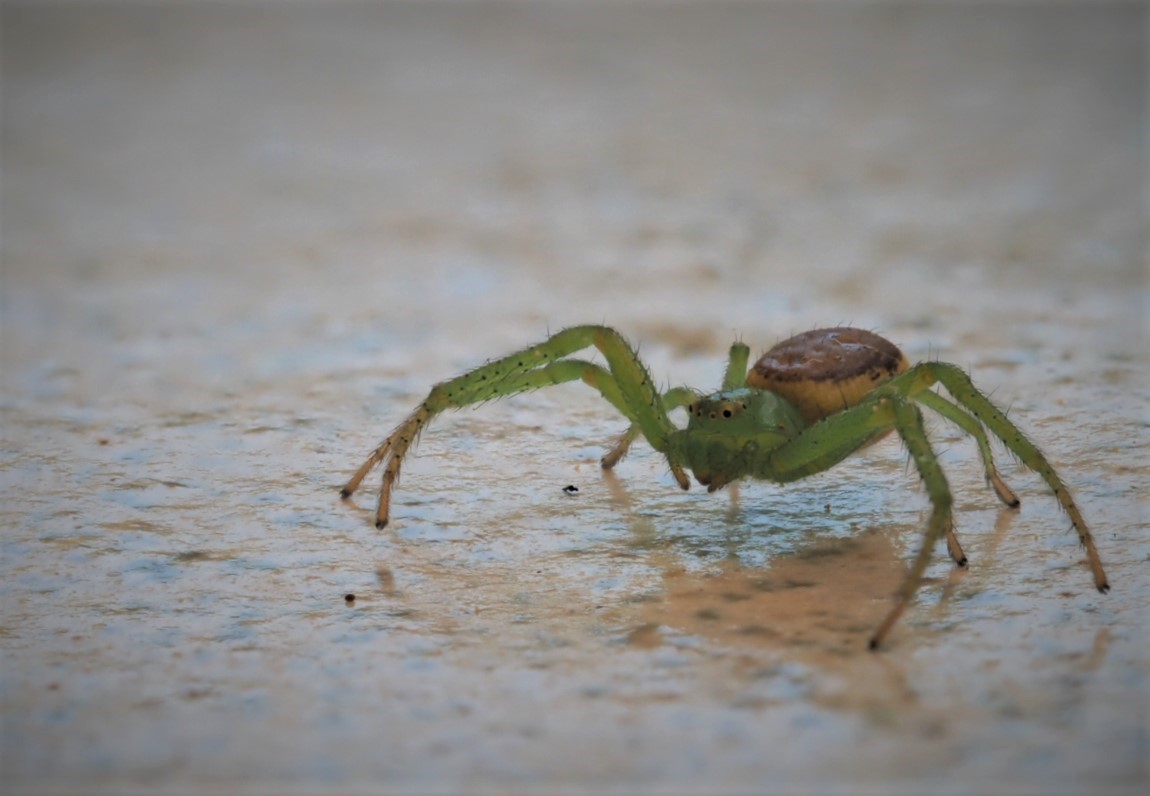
(803, 407)
(730, 433)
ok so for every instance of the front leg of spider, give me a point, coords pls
(625, 383)
(734, 377)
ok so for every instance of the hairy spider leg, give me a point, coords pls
(908, 422)
(959, 385)
(824, 444)
(396, 445)
(627, 386)
(734, 377)
(827, 442)
(673, 398)
(960, 418)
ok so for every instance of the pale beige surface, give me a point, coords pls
(238, 246)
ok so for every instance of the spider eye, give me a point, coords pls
(726, 413)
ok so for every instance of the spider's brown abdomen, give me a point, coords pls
(824, 371)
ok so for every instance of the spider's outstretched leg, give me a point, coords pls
(972, 427)
(908, 422)
(734, 377)
(627, 386)
(822, 445)
(959, 385)
(672, 399)
(449, 395)
(959, 417)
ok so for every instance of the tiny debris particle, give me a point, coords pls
(571, 489)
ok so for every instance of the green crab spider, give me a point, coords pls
(806, 405)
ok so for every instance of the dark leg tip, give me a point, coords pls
(381, 524)
(873, 645)
(1104, 588)
(345, 493)
(961, 562)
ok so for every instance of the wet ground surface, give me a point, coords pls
(239, 245)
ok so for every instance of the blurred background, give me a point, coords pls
(240, 242)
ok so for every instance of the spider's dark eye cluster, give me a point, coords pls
(725, 409)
